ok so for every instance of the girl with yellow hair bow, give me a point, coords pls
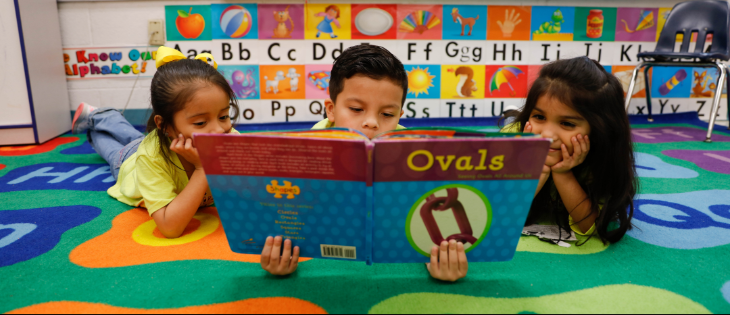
(162, 171)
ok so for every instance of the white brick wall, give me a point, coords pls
(105, 24)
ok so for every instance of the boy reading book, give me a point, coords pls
(368, 87)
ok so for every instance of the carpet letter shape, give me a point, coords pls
(634, 299)
(648, 165)
(673, 134)
(26, 234)
(268, 305)
(713, 161)
(36, 149)
(135, 240)
(690, 220)
(67, 176)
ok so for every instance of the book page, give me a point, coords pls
(474, 191)
(311, 191)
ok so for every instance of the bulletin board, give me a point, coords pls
(461, 60)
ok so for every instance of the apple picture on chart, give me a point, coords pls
(189, 25)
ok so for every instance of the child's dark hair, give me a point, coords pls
(609, 177)
(369, 60)
(173, 86)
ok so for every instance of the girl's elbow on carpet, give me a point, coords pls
(167, 228)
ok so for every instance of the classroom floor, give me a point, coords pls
(66, 246)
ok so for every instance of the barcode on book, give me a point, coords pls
(336, 251)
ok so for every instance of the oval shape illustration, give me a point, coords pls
(373, 21)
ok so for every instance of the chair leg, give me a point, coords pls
(632, 83)
(727, 97)
(647, 89)
(716, 103)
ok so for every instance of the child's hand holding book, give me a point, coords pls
(279, 264)
(448, 262)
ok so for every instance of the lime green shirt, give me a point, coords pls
(515, 127)
(146, 179)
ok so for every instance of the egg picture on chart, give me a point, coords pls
(373, 21)
(236, 21)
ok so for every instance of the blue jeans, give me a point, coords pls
(113, 137)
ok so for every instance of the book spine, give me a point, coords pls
(369, 224)
(369, 174)
(369, 201)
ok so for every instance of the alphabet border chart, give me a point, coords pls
(461, 60)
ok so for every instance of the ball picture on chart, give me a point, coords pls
(236, 21)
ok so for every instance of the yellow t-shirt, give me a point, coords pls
(146, 179)
(326, 123)
(515, 127)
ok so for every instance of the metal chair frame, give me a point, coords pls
(701, 17)
(722, 79)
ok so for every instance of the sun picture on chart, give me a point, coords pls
(419, 81)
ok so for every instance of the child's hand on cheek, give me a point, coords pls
(545, 168)
(279, 265)
(528, 127)
(448, 262)
(184, 148)
(581, 146)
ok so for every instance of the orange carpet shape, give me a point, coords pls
(270, 305)
(36, 149)
(135, 240)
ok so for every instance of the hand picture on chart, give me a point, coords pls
(508, 22)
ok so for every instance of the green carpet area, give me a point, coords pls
(66, 246)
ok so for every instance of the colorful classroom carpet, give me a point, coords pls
(66, 246)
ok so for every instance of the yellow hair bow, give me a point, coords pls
(166, 55)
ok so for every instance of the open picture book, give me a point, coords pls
(337, 194)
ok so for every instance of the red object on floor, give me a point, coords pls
(36, 149)
(265, 305)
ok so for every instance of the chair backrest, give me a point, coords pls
(703, 17)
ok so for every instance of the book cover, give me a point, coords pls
(312, 191)
(337, 194)
(476, 191)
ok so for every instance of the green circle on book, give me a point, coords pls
(468, 216)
